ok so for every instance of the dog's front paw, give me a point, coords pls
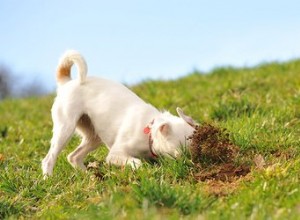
(120, 160)
(134, 163)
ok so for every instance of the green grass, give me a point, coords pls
(260, 107)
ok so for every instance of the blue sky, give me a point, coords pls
(134, 40)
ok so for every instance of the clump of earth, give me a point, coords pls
(214, 155)
(211, 144)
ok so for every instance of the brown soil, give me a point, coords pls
(227, 172)
(214, 156)
(211, 144)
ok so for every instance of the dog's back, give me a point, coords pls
(107, 103)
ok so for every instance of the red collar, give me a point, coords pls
(147, 130)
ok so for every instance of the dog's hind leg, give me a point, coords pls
(90, 141)
(77, 156)
(60, 138)
(63, 128)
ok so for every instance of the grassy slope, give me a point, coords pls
(259, 106)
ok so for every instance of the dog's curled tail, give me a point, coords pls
(63, 72)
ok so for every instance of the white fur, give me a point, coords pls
(102, 111)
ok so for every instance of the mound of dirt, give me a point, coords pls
(211, 144)
(227, 172)
(214, 155)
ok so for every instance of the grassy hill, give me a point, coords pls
(259, 107)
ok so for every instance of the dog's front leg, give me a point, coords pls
(120, 159)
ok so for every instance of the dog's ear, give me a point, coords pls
(164, 128)
(186, 118)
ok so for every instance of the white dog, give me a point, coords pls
(102, 111)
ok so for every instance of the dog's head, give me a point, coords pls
(170, 133)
